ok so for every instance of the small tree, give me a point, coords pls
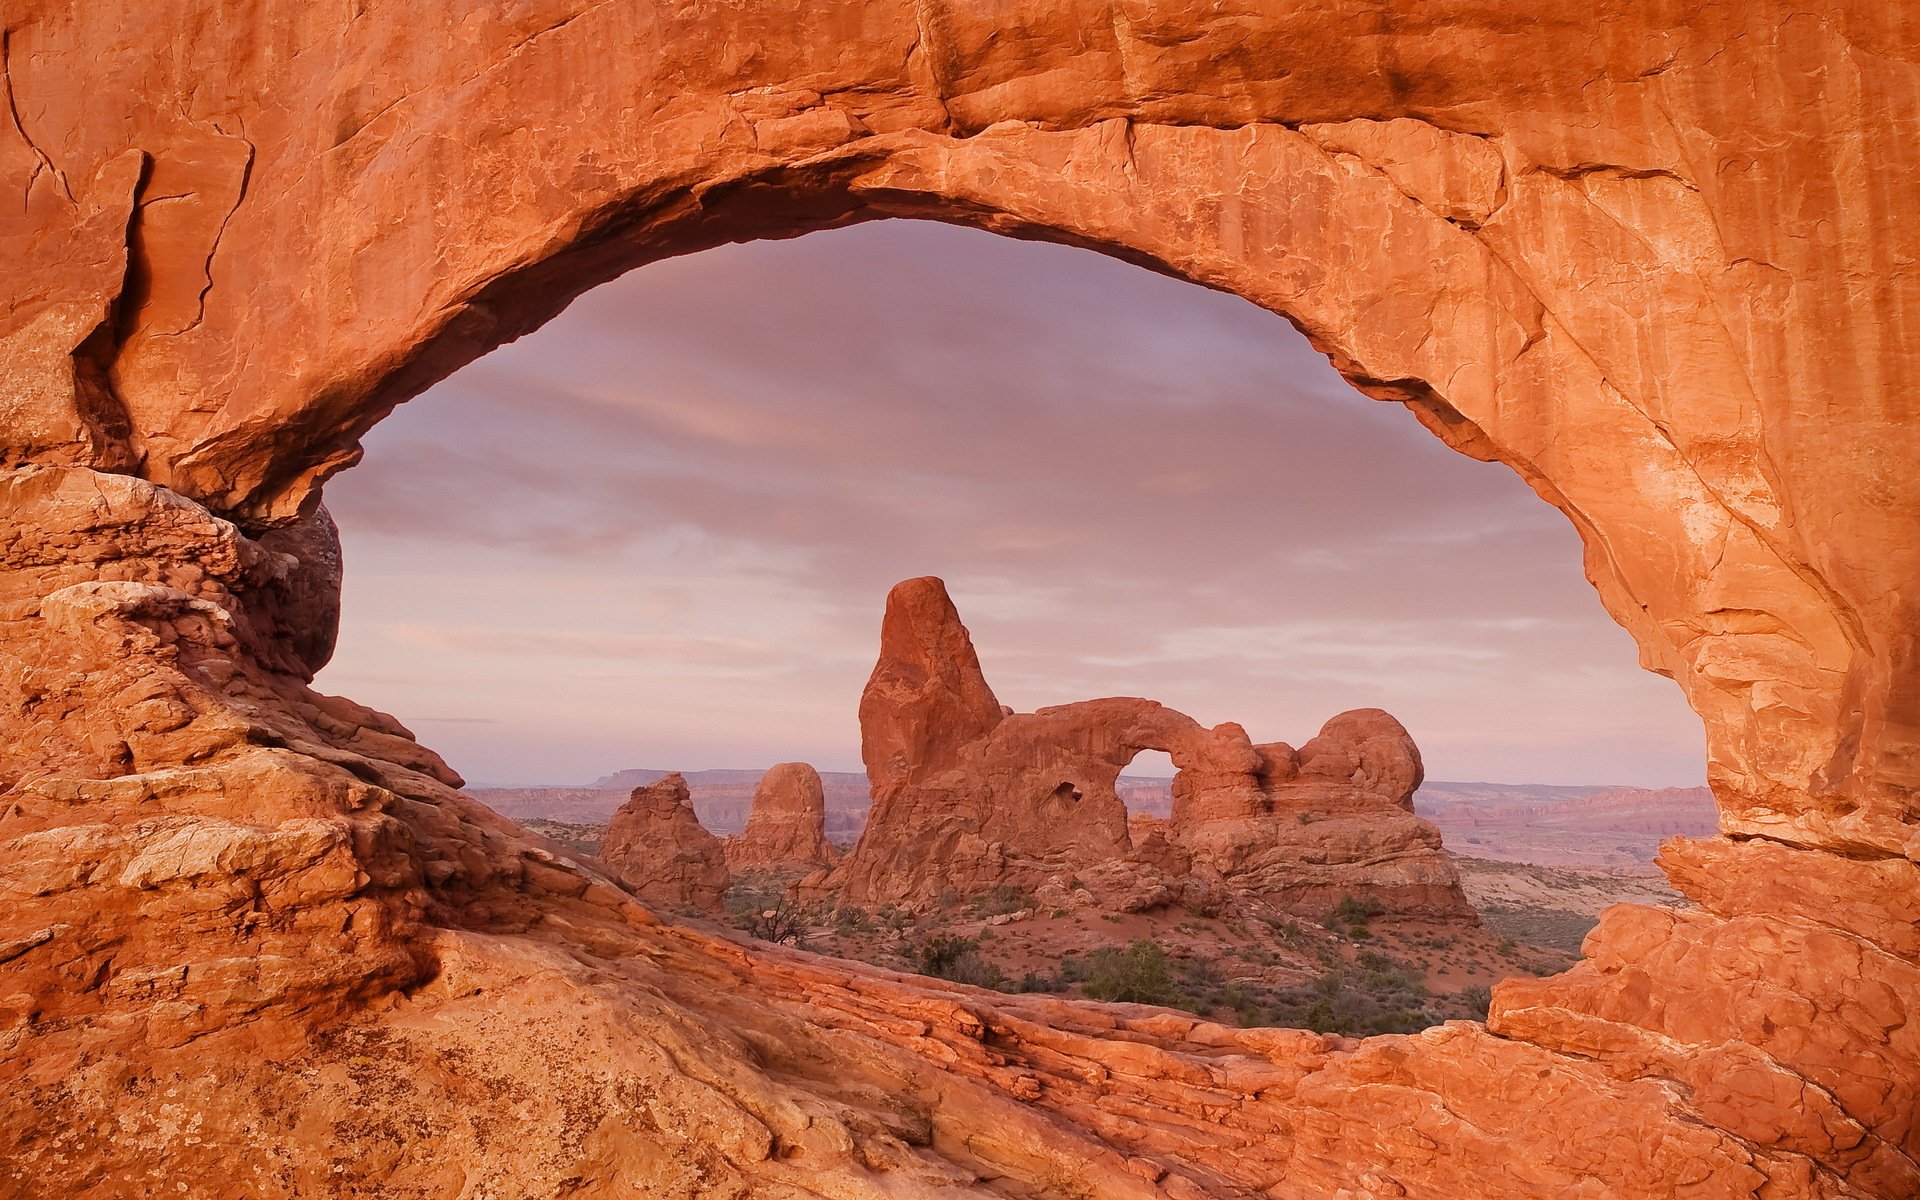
(780, 923)
(958, 959)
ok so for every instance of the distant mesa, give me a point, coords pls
(970, 796)
(1567, 826)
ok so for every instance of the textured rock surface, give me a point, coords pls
(657, 847)
(787, 830)
(1655, 258)
(970, 796)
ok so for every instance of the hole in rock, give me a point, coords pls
(657, 534)
(1145, 785)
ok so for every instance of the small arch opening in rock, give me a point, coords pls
(1146, 785)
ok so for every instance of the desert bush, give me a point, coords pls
(769, 914)
(1287, 929)
(1246, 1006)
(851, 919)
(1376, 994)
(1002, 899)
(1138, 974)
(1357, 910)
(1201, 973)
(958, 959)
(1033, 981)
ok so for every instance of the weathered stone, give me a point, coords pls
(655, 845)
(787, 829)
(1677, 308)
(1029, 802)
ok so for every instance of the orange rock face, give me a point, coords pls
(787, 830)
(969, 796)
(656, 846)
(1653, 258)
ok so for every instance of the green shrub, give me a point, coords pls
(1376, 994)
(1137, 975)
(1357, 910)
(1033, 981)
(958, 959)
(1002, 899)
(1246, 1006)
(851, 920)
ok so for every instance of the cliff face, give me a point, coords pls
(1653, 258)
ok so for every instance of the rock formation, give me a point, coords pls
(656, 846)
(787, 830)
(969, 795)
(1653, 258)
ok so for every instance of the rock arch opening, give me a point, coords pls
(670, 517)
(1124, 466)
(1558, 240)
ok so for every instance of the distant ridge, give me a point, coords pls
(1600, 826)
(1556, 824)
(721, 798)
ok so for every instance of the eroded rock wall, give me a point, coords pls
(1664, 230)
(1653, 257)
(969, 796)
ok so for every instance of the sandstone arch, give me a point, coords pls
(1654, 258)
(965, 798)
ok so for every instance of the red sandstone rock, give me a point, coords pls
(787, 830)
(1652, 258)
(927, 697)
(656, 846)
(1027, 800)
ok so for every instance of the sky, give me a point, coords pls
(659, 531)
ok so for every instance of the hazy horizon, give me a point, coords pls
(1132, 772)
(659, 532)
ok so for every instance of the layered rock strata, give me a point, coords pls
(787, 829)
(969, 796)
(1653, 258)
(657, 847)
